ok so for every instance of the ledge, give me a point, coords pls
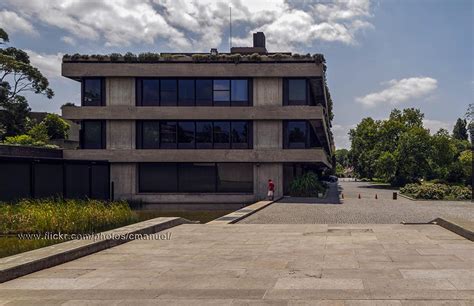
(228, 155)
(191, 69)
(242, 213)
(120, 112)
(28, 262)
(463, 228)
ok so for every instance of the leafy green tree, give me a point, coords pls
(18, 76)
(444, 152)
(342, 157)
(56, 127)
(386, 166)
(470, 120)
(465, 159)
(460, 129)
(363, 141)
(413, 153)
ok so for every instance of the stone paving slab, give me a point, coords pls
(302, 264)
(366, 210)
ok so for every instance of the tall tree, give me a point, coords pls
(460, 129)
(17, 77)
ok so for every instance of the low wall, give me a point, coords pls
(26, 151)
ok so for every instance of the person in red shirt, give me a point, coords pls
(271, 189)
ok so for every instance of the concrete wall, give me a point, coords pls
(120, 134)
(263, 172)
(120, 91)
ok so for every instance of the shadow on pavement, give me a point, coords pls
(331, 198)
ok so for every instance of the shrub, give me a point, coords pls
(75, 56)
(114, 57)
(200, 57)
(235, 58)
(306, 185)
(430, 191)
(65, 216)
(255, 57)
(56, 127)
(24, 139)
(130, 57)
(39, 133)
(148, 57)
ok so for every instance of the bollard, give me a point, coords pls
(394, 195)
(376, 196)
(342, 196)
(359, 195)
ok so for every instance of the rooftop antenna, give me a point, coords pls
(230, 28)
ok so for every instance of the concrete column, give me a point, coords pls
(124, 177)
(263, 172)
(120, 91)
(120, 134)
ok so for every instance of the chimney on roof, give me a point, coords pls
(259, 40)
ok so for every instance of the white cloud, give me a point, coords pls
(12, 23)
(399, 91)
(435, 125)
(69, 40)
(341, 135)
(48, 64)
(200, 25)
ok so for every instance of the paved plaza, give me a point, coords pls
(367, 210)
(258, 264)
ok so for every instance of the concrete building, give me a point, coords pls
(202, 128)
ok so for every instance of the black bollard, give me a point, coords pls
(394, 195)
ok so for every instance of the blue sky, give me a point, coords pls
(380, 54)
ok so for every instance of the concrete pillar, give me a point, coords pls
(120, 134)
(124, 177)
(263, 172)
(120, 91)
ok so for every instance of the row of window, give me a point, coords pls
(199, 135)
(194, 134)
(195, 177)
(204, 92)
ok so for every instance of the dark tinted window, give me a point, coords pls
(222, 134)
(240, 134)
(296, 134)
(48, 180)
(204, 92)
(297, 92)
(203, 134)
(186, 134)
(186, 92)
(239, 92)
(92, 92)
(77, 181)
(235, 177)
(198, 177)
(221, 92)
(100, 182)
(150, 92)
(14, 181)
(93, 134)
(168, 134)
(159, 177)
(150, 134)
(168, 92)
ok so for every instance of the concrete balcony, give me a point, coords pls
(228, 155)
(125, 112)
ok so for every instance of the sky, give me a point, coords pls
(381, 54)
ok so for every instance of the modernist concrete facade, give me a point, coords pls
(266, 115)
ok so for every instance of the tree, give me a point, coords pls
(465, 159)
(460, 129)
(18, 76)
(56, 127)
(444, 152)
(342, 157)
(363, 141)
(386, 166)
(470, 119)
(39, 133)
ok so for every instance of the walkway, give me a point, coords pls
(353, 210)
(278, 264)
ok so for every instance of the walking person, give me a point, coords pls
(271, 190)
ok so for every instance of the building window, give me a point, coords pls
(235, 177)
(239, 93)
(157, 177)
(204, 92)
(186, 93)
(93, 92)
(93, 134)
(295, 92)
(204, 135)
(148, 134)
(221, 135)
(240, 134)
(186, 131)
(221, 92)
(195, 177)
(168, 92)
(168, 134)
(317, 91)
(295, 134)
(150, 92)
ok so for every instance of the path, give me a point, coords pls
(353, 210)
